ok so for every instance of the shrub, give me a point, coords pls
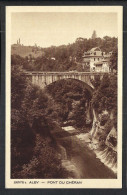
(46, 162)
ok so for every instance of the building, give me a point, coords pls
(52, 58)
(16, 44)
(96, 60)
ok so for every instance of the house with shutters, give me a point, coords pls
(96, 60)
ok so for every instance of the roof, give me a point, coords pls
(95, 49)
(94, 52)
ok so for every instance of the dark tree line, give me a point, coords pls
(33, 116)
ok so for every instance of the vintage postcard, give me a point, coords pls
(64, 96)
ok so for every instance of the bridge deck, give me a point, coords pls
(63, 73)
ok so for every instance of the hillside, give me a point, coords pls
(64, 57)
(26, 51)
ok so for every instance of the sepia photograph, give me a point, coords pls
(64, 97)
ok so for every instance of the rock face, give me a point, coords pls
(93, 130)
(111, 140)
(104, 139)
(99, 131)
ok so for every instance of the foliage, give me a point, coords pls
(71, 95)
(80, 114)
(105, 99)
(96, 81)
(45, 163)
(18, 83)
(67, 57)
(106, 94)
(33, 112)
(113, 60)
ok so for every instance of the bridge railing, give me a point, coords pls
(63, 73)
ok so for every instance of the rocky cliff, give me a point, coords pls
(103, 136)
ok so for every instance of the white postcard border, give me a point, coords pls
(65, 183)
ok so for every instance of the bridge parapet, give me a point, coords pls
(45, 78)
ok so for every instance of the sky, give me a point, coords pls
(55, 28)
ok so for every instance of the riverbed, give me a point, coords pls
(80, 161)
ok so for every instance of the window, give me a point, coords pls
(94, 59)
(98, 59)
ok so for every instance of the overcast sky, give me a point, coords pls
(46, 29)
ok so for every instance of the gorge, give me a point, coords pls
(67, 131)
(94, 134)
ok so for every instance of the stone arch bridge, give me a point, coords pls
(43, 79)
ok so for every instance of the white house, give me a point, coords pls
(97, 60)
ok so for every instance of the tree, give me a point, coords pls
(105, 95)
(33, 112)
(113, 60)
(19, 83)
(63, 53)
(96, 81)
(68, 94)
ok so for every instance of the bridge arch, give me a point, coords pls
(84, 85)
(74, 90)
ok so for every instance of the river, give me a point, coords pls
(80, 160)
